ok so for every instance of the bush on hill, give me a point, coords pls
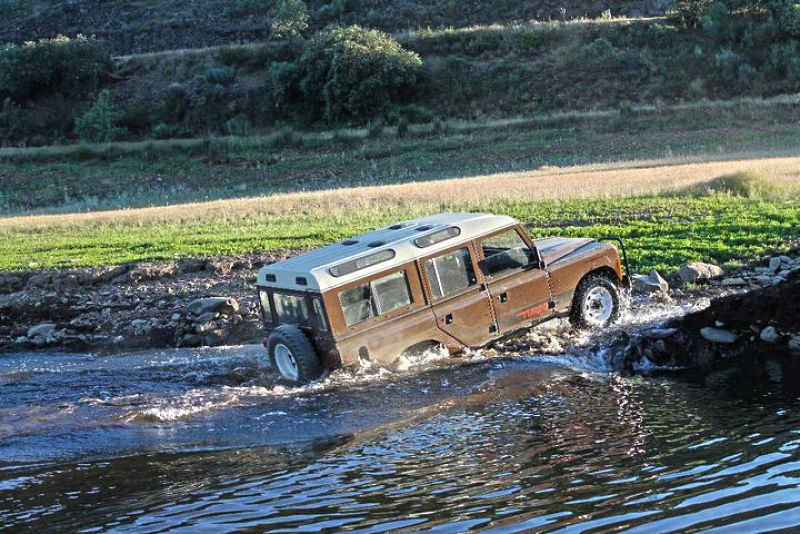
(347, 75)
(72, 68)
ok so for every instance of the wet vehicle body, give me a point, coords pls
(452, 280)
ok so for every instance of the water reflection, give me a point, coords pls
(499, 445)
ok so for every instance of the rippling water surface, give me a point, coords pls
(197, 441)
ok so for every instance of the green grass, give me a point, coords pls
(661, 232)
(87, 177)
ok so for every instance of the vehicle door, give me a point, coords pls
(461, 305)
(519, 287)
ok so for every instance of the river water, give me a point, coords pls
(201, 441)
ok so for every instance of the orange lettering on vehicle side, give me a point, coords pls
(530, 313)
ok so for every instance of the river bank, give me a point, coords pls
(192, 303)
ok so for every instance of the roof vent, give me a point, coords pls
(437, 237)
(396, 226)
(376, 244)
(350, 242)
(301, 281)
(270, 278)
(424, 228)
(362, 263)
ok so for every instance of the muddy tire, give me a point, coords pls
(596, 303)
(292, 355)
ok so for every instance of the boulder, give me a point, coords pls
(770, 334)
(224, 305)
(650, 283)
(774, 264)
(206, 317)
(718, 335)
(697, 271)
(659, 333)
(45, 330)
(735, 281)
(794, 343)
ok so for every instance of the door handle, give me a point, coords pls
(503, 297)
(448, 319)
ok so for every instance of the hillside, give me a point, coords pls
(141, 26)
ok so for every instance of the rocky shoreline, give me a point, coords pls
(185, 303)
(761, 319)
(192, 303)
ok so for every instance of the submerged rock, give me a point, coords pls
(718, 335)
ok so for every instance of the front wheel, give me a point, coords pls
(596, 303)
(292, 355)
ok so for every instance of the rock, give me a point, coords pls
(190, 340)
(786, 260)
(22, 341)
(214, 304)
(770, 334)
(139, 324)
(176, 317)
(202, 328)
(794, 343)
(45, 330)
(763, 279)
(774, 264)
(718, 335)
(191, 265)
(659, 333)
(118, 340)
(10, 283)
(699, 271)
(206, 317)
(735, 281)
(650, 283)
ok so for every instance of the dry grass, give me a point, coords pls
(551, 183)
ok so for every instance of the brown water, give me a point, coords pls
(196, 441)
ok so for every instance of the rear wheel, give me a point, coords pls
(596, 303)
(292, 355)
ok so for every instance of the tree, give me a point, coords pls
(99, 124)
(347, 74)
(290, 19)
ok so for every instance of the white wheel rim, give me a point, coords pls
(598, 306)
(287, 366)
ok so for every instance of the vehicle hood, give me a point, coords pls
(554, 248)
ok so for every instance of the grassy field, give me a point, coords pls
(669, 214)
(136, 174)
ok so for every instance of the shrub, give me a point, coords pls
(162, 131)
(689, 13)
(221, 75)
(290, 18)
(347, 74)
(70, 67)
(99, 124)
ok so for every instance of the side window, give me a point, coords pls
(450, 273)
(375, 298)
(290, 308)
(505, 252)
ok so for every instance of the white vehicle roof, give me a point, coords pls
(315, 266)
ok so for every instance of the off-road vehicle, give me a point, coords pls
(455, 280)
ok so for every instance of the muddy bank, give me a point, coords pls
(759, 323)
(146, 305)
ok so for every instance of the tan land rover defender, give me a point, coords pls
(455, 280)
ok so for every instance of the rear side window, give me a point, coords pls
(290, 308)
(450, 273)
(266, 309)
(375, 298)
(504, 253)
